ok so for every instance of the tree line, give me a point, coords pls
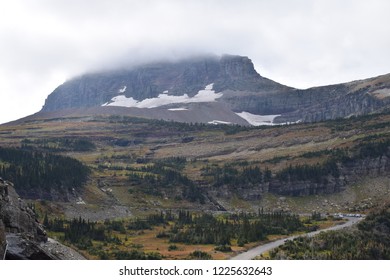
(207, 229)
(229, 175)
(166, 175)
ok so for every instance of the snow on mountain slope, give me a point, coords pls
(177, 109)
(257, 120)
(122, 101)
(206, 95)
(218, 122)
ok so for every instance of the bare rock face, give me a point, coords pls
(20, 226)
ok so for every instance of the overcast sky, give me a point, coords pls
(299, 43)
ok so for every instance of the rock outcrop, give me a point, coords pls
(19, 224)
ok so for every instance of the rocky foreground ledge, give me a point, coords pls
(22, 237)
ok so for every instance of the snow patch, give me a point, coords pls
(219, 122)
(122, 101)
(209, 87)
(122, 90)
(206, 95)
(161, 100)
(257, 120)
(166, 91)
(178, 109)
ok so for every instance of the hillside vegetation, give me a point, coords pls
(369, 241)
(171, 235)
(152, 164)
(42, 175)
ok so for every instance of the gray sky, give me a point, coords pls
(299, 43)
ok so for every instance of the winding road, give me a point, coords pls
(252, 253)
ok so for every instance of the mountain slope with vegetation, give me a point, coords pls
(113, 172)
(40, 174)
(156, 164)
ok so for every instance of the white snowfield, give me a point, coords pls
(219, 122)
(178, 109)
(206, 95)
(257, 120)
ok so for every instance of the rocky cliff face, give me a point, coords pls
(18, 223)
(332, 102)
(315, 104)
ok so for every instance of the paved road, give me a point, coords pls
(250, 254)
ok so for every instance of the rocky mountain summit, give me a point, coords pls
(212, 89)
(151, 80)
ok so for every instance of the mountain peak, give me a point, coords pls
(213, 89)
(237, 66)
(188, 76)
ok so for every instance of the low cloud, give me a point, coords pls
(298, 43)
